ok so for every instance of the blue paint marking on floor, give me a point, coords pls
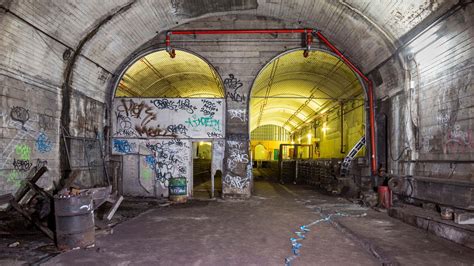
(300, 235)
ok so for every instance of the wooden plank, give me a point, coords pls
(39, 190)
(6, 198)
(24, 189)
(112, 211)
(41, 227)
(68, 181)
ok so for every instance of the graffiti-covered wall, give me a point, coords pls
(168, 117)
(29, 135)
(155, 135)
(150, 164)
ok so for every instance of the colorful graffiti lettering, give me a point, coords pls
(23, 151)
(124, 146)
(43, 143)
(204, 121)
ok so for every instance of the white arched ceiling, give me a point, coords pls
(292, 89)
(159, 75)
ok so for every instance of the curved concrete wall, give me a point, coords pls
(58, 58)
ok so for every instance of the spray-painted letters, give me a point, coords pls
(167, 117)
(231, 85)
(123, 146)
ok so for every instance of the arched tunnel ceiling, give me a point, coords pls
(292, 89)
(367, 32)
(359, 27)
(159, 75)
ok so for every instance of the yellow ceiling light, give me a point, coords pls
(159, 76)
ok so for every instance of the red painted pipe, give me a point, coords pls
(371, 99)
(308, 43)
(269, 31)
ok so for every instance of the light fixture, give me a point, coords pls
(325, 128)
(309, 138)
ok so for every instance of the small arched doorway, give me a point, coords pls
(161, 110)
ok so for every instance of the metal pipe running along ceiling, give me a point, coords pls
(309, 38)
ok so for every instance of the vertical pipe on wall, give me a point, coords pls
(370, 91)
(342, 128)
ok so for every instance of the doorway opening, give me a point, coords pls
(203, 181)
(156, 113)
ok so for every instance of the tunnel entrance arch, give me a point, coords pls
(160, 107)
(318, 100)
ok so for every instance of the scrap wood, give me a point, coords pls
(67, 182)
(116, 204)
(33, 176)
(39, 190)
(37, 223)
(6, 198)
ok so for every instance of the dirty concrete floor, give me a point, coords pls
(258, 232)
(22, 244)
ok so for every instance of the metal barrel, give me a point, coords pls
(75, 226)
(178, 189)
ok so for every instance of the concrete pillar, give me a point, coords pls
(237, 176)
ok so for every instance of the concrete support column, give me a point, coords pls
(237, 177)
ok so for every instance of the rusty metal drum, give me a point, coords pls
(75, 226)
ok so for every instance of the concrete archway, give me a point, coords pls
(160, 106)
(299, 94)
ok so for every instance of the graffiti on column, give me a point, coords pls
(231, 85)
(240, 115)
(236, 182)
(237, 155)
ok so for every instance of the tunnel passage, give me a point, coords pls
(308, 111)
(162, 106)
